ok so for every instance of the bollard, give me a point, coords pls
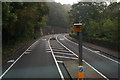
(81, 72)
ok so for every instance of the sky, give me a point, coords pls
(75, 1)
(67, 1)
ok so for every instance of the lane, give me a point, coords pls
(105, 66)
(36, 64)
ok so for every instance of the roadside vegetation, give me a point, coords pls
(21, 23)
(100, 22)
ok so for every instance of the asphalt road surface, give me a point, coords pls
(35, 63)
(38, 62)
(105, 65)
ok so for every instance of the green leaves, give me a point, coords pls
(21, 19)
(101, 21)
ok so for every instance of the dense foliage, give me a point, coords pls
(100, 21)
(22, 20)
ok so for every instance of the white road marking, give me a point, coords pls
(44, 39)
(48, 51)
(95, 70)
(60, 50)
(61, 39)
(27, 53)
(60, 61)
(65, 57)
(65, 46)
(70, 40)
(10, 61)
(15, 61)
(28, 50)
(63, 53)
(94, 51)
(60, 72)
(84, 61)
(102, 55)
(97, 51)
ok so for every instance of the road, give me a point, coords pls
(38, 61)
(105, 65)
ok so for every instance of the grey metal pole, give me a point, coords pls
(80, 47)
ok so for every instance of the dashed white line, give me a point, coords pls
(15, 61)
(27, 53)
(28, 50)
(10, 61)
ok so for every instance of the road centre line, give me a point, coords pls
(84, 61)
(59, 70)
(93, 51)
(16, 61)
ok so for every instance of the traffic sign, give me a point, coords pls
(80, 72)
(81, 69)
(78, 27)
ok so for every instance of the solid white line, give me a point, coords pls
(15, 62)
(95, 70)
(70, 40)
(102, 55)
(60, 72)
(65, 57)
(87, 63)
(94, 51)
(63, 53)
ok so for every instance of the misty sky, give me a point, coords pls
(75, 1)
